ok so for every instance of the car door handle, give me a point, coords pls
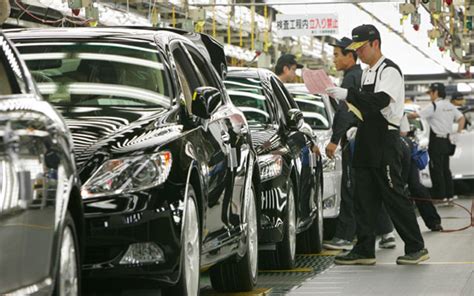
(225, 137)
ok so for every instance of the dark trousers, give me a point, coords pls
(426, 208)
(384, 184)
(440, 173)
(346, 221)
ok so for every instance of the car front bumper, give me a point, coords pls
(114, 225)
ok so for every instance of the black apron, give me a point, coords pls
(371, 135)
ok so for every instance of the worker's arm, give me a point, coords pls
(368, 101)
(461, 123)
(388, 90)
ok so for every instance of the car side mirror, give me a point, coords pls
(295, 119)
(205, 100)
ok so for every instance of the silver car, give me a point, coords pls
(319, 113)
(461, 163)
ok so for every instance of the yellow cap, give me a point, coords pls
(356, 45)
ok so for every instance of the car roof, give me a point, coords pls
(87, 33)
(299, 87)
(249, 72)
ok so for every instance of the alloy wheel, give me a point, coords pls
(292, 223)
(68, 274)
(192, 250)
(252, 233)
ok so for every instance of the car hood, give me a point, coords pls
(102, 133)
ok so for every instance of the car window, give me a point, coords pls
(315, 113)
(280, 96)
(469, 116)
(255, 107)
(12, 80)
(250, 85)
(308, 105)
(188, 75)
(416, 122)
(207, 76)
(286, 96)
(99, 73)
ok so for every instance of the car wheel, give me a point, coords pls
(311, 241)
(68, 276)
(241, 275)
(188, 283)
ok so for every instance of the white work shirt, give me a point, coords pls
(391, 82)
(441, 120)
(404, 124)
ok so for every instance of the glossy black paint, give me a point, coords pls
(38, 181)
(213, 154)
(278, 132)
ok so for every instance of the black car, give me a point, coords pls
(164, 156)
(290, 172)
(41, 213)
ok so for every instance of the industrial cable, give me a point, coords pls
(44, 21)
(470, 212)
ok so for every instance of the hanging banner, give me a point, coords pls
(307, 24)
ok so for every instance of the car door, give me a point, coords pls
(237, 145)
(299, 144)
(212, 146)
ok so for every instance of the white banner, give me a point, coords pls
(307, 24)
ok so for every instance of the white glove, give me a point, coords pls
(453, 138)
(338, 93)
(351, 133)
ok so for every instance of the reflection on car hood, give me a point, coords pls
(322, 136)
(116, 131)
(264, 139)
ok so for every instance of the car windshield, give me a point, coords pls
(98, 73)
(314, 110)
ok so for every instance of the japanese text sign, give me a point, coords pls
(307, 24)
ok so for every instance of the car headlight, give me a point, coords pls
(270, 166)
(128, 174)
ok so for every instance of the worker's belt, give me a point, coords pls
(441, 136)
(392, 126)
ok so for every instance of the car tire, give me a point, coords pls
(242, 275)
(188, 283)
(68, 278)
(311, 241)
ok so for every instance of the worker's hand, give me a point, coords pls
(351, 133)
(315, 149)
(338, 93)
(331, 150)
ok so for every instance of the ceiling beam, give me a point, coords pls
(275, 3)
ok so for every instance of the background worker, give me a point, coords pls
(411, 174)
(377, 153)
(346, 60)
(441, 115)
(285, 68)
(457, 99)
